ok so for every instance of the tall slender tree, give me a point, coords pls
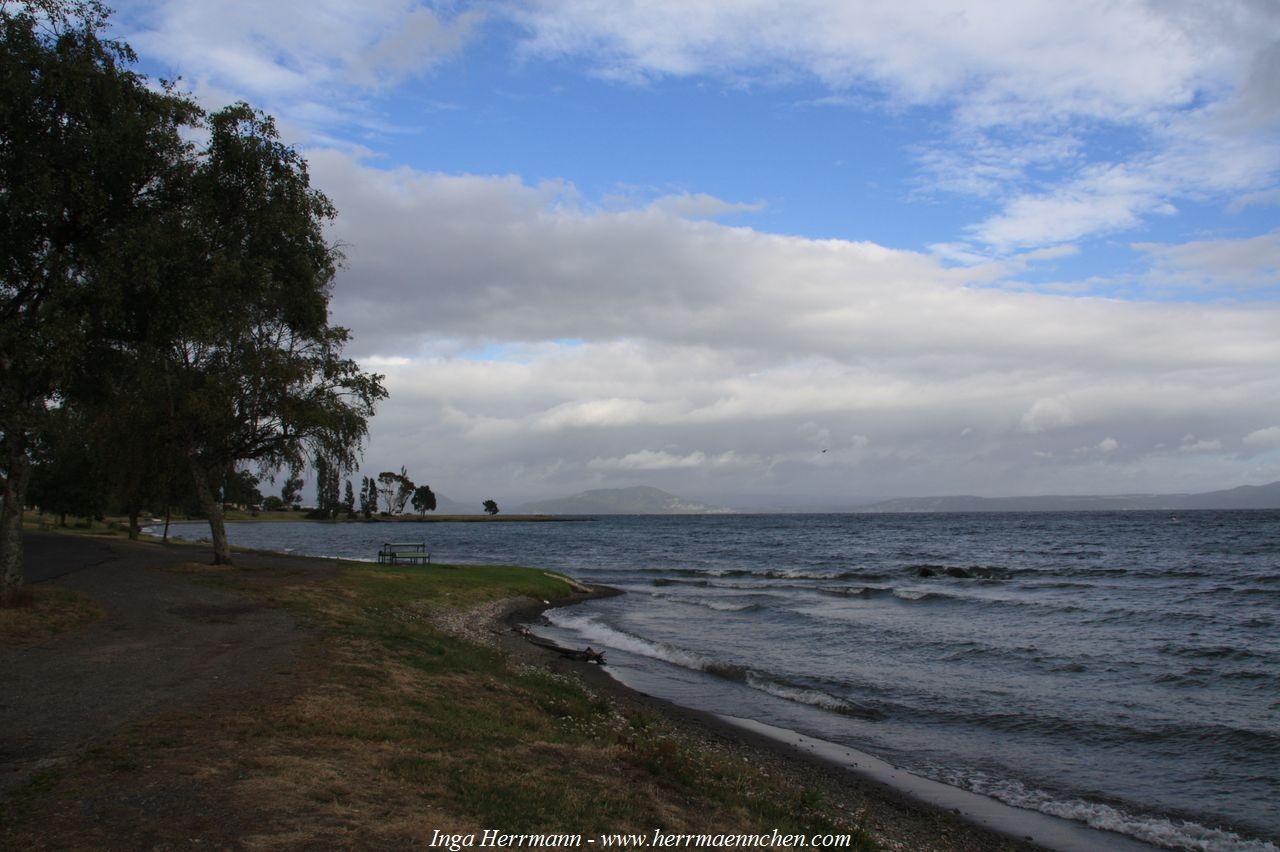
(368, 497)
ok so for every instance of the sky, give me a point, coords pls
(803, 253)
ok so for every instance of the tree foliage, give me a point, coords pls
(328, 501)
(131, 259)
(291, 490)
(490, 507)
(240, 487)
(349, 501)
(67, 471)
(87, 154)
(424, 499)
(368, 497)
(396, 489)
(252, 369)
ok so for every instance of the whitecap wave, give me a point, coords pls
(1160, 831)
(596, 631)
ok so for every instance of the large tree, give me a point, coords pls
(87, 150)
(198, 280)
(250, 367)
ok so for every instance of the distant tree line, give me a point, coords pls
(394, 490)
(163, 303)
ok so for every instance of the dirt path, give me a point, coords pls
(165, 642)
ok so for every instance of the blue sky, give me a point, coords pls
(970, 247)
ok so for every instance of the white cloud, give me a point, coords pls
(647, 460)
(496, 259)
(1104, 199)
(702, 206)
(1204, 445)
(1264, 198)
(637, 345)
(1265, 438)
(312, 64)
(1103, 59)
(1025, 89)
(1249, 263)
(1046, 415)
(1026, 83)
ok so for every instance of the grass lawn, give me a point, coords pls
(388, 729)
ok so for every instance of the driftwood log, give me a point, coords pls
(588, 655)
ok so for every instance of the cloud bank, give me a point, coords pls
(538, 341)
(557, 347)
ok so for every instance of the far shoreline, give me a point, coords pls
(237, 516)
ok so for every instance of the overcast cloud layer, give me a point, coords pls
(1100, 316)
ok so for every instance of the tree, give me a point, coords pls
(349, 501)
(66, 475)
(396, 489)
(87, 153)
(368, 497)
(141, 462)
(291, 491)
(388, 485)
(252, 369)
(328, 502)
(240, 487)
(201, 277)
(490, 507)
(404, 493)
(424, 499)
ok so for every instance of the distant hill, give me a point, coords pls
(1244, 497)
(639, 500)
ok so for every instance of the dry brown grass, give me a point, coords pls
(44, 612)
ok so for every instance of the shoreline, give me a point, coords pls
(897, 804)
(905, 807)
(899, 817)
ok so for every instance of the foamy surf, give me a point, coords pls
(1158, 831)
(595, 632)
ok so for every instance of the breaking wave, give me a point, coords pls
(599, 633)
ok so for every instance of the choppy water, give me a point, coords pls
(1120, 669)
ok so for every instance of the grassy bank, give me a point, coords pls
(390, 727)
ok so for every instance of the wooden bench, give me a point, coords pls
(404, 552)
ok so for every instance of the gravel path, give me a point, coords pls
(164, 642)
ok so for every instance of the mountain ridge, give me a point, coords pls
(1241, 497)
(636, 500)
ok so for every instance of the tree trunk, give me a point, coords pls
(12, 576)
(134, 529)
(213, 511)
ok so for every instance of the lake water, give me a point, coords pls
(1118, 669)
